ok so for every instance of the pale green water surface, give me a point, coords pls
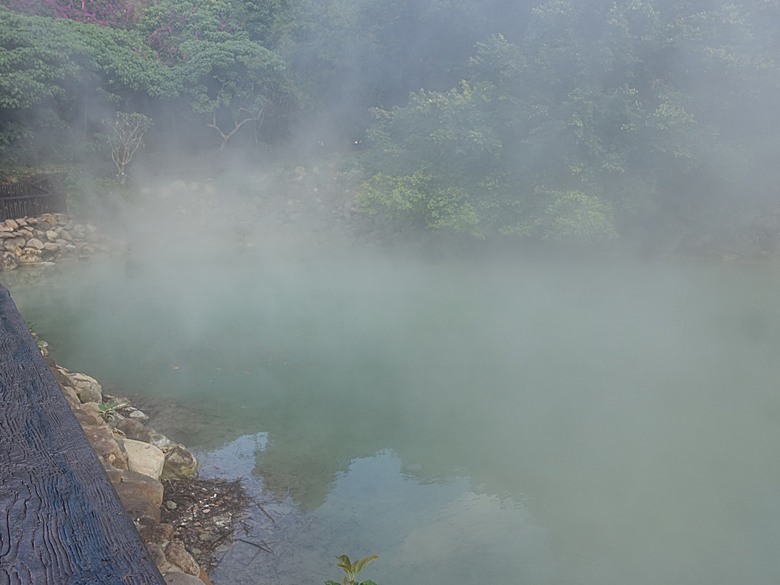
(471, 421)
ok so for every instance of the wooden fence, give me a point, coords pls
(33, 196)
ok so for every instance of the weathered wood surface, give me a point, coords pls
(60, 519)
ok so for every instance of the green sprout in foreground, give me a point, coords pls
(352, 569)
(108, 411)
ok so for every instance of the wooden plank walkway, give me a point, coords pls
(61, 522)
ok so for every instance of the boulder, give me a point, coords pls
(12, 244)
(29, 256)
(136, 414)
(133, 429)
(87, 414)
(88, 389)
(179, 464)
(176, 554)
(8, 260)
(159, 440)
(106, 446)
(71, 396)
(92, 409)
(157, 533)
(141, 495)
(144, 458)
(157, 554)
(181, 579)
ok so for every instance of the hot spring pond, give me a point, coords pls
(470, 421)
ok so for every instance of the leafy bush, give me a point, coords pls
(419, 199)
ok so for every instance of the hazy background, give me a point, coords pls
(648, 123)
(443, 280)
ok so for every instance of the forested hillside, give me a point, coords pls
(565, 120)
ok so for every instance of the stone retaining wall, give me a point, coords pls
(32, 240)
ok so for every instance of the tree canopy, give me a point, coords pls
(495, 118)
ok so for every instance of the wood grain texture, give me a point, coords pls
(60, 519)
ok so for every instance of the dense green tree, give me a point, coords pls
(611, 114)
(59, 78)
(228, 80)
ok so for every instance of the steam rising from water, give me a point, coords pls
(610, 422)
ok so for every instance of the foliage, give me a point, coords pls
(574, 217)
(113, 13)
(352, 570)
(420, 200)
(57, 78)
(108, 411)
(594, 106)
(226, 78)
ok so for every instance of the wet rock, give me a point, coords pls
(87, 414)
(140, 494)
(13, 243)
(176, 554)
(179, 464)
(29, 256)
(88, 389)
(156, 553)
(8, 261)
(159, 440)
(106, 446)
(133, 429)
(35, 243)
(137, 415)
(71, 396)
(157, 533)
(144, 458)
(93, 409)
(87, 420)
(181, 579)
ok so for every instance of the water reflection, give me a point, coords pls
(440, 532)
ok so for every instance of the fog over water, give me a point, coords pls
(307, 296)
(556, 421)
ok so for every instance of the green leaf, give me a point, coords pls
(358, 566)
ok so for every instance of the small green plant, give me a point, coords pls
(108, 411)
(352, 569)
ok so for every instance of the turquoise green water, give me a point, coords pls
(468, 420)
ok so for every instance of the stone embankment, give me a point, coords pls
(137, 459)
(32, 240)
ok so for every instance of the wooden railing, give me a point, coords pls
(61, 522)
(32, 196)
